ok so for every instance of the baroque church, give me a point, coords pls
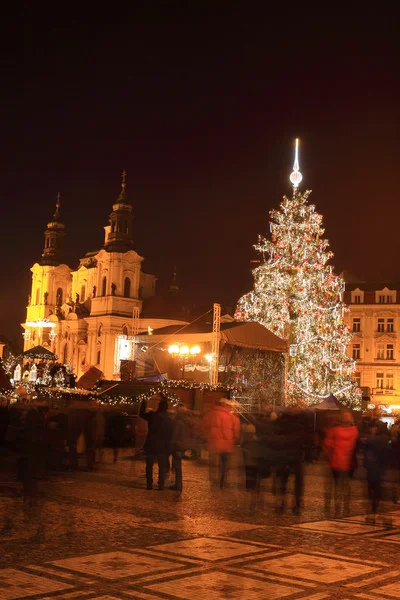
(90, 316)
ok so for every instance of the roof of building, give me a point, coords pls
(373, 286)
(249, 334)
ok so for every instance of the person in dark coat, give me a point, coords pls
(115, 432)
(30, 464)
(376, 460)
(289, 442)
(182, 435)
(158, 441)
(4, 421)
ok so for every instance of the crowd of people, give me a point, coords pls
(274, 446)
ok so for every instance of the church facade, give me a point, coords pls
(90, 316)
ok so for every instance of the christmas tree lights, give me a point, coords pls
(298, 297)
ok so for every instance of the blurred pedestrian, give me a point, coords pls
(340, 445)
(4, 421)
(222, 428)
(182, 433)
(99, 435)
(158, 441)
(289, 443)
(30, 463)
(116, 431)
(395, 458)
(376, 460)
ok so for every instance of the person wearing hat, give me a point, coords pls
(222, 428)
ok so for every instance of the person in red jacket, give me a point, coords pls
(222, 429)
(340, 445)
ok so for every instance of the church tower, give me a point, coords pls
(51, 284)
(119, 233)
(53, 239)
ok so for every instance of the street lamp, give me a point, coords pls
(184, 352)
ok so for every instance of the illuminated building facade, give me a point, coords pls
(89, 316)
(374, 319)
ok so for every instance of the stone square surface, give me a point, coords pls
(207, 548)
(314, 568)
(223, 586)
(17, 584)
(392, 538)
(342, 527)
(115, 565)
(395, 518)
(204, 526)
(392, 590)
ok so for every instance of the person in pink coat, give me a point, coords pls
(340, 446)
(222, 429)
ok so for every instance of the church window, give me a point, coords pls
(125, 330)
(65, 353)
(118, 227)
(104, 286)
(126, 226)
(98, 357)
(112, 226)
(127, 287)
(83, 292)
(100, 330)
(37, 296)
(59, 297)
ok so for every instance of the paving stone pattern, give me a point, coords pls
(103, 536)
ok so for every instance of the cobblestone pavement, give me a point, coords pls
(103, 536)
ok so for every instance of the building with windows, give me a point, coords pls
(90, 315)
(374, 319)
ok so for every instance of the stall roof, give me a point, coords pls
(39, 352)
(248, 334)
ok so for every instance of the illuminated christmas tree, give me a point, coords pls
(298, 297)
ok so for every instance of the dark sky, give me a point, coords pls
(201, 109)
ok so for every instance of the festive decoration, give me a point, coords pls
(9, 363)
(260, 375)
(60, 378)
(46, 377)
(298, 297)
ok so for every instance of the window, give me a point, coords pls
(380, 351)
(127, 287)
(356, 325)
(381, 299)
(356, 351)
(390, 326)
(125, 330)
(357, 378)
(37, 296)
(379, 380)
(59, 297)
(357, 299)
(389, 299)
(83, 292)
(100, 330)
(104, 286)
(98, 357)
(389, 351)
(381, 325)
(389, 381)
(65, 354)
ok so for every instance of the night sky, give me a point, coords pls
(201, 110)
